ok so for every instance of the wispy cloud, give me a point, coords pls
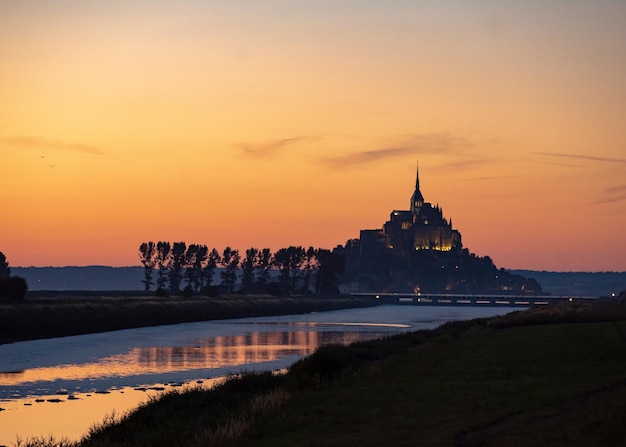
(270, 149)
(492, 177)
(45, 144)
(583, 157)
(463, 165)
(415, 145)
(567, 165)
(611, 195)
(617, 189)
(357, 158)
(614, 194)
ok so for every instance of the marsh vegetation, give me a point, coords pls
(61, 314)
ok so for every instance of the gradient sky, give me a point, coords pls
(270, 123)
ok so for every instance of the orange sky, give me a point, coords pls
(275, 123)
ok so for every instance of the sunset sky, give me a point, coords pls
(270, 123)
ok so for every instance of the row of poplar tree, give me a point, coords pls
(299, 270)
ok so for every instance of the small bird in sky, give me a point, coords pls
(52, 166)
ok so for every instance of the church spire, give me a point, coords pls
(417, 199)
(417, 175)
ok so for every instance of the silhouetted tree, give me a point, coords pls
(248, 265)
(147, 255)
(281, 262)
(296, 262)
(289, 261)
(176, 263)
(189, 260)
(201, 259)
(230, 262)
(12, 288)
(310, 266)
(195, 258)
(264, 262)
(213, 259)
(5, 270)
(163, 256)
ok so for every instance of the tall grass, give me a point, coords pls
(195, 417)
(244, 420)
(43, 441)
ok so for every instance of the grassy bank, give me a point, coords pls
(492, 382)
(562, 384)
(59, 315)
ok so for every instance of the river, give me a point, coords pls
(62, 386)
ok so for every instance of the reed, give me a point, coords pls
(43, 441)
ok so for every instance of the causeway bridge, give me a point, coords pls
(439, 299)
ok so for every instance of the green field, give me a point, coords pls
(548, 376)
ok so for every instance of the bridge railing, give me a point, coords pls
(437, 299)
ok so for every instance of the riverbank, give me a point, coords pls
(56, 315)
(502, 381)
(547, 376)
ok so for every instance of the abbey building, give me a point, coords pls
(422, 227)
(418, 250)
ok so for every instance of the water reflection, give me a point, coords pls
(127, 362)
(60, 399)
(65, 417)
(210, 353)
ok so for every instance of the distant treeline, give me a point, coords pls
(167, 265)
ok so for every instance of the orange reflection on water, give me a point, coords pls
(216, 352)
(71, 419)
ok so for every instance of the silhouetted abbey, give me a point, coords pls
(423, 227)
(418, 250)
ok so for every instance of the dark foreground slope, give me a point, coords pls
(60, 315)
(502, 381)
(491, 385)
